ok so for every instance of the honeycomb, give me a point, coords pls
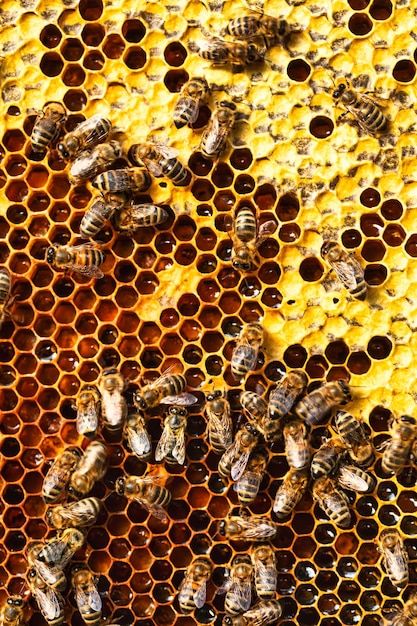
(171, 298)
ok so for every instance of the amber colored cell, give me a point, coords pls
(321, 127)
(200, 165)
(51, 64)
(222, 176)
(113, 46)
(371, 224)
(75, 100)
(73, 75)
(135, 58)
(72, 49)
(94, 61)
(14, 140)
(147, 283)
(202, 190)
(175, 54)
(190, 330)
(298, 70)
(373, 250)
(16, 165)
(394, 235)
(391, 209)
(16, 214)
(370, 197)
(360, 24)
(175, 79)
(351, 238)
(288, 233)
(17, 191)
(411, 246)
(311, 269)
(133, 30)
(404, 71)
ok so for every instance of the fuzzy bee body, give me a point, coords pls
(355, 478)
(5, 289)
(239, 595)
(395, 556)
(403, 434)
(264, 613)
(160, 161)
(132, 179)
(81, 513)
(12, 611)
(333, 501)
(86, 594)
(326, 458)
(49, 601)
(220, 429)
(91, 468)
(362, 108)
(245, 353)
(171, 445)
(234, 460)
(134, 216)
(347, 268)
(113, 404)
(137, 437)
(352, 432)
(85, 136)
(84, 258)
(286, 392)
(88, 410)
(164, 387)
(147, 492)
(192, 590)
(265, 571)
(51, 575)
(314, 407)
(90, 162)
(47, 126)
(213, 139)
(101, 210)
(296, 440)
(290, 492)
(246, 238)
(59, 473)
(220, 52)
(59, 550)
(247, 487)
(251, 528)
(192, 95)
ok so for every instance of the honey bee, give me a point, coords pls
(88, 410)
(192, 95)
(213, 139)
(86, 594)
(91, 467)
(74, 514)
(126, 179)
(147, 492)
(333, 501)
(326, 458)
(395, 556)
(219, 421)
(352, 432)
(316, 405)
(193, 589)
(160, 161)
(262, 614)
(85, 136)
(265, 571)
(247, 486)
(90, 162)
(245, 353)
(252, 26)
(58, 551)
(239, 594)
(164, 387)
(253, 528)
(59, 473)
(12, 611)
(246, 238)
(113, 405)
(286, 392)
(219, 52)
(405, 617)
(355, 478)
(100, 211)
(134, 216)
(47, 126)
(290, 491)
(137, 437)
(234, 460)
(397, 451)
(84, 258)
(171, 445)
(5, 289)
(364, 110)
(255, 408)
(52, 576)
(49, 601)
(296, 440)
(347, 268)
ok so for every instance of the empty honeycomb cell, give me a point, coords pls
(175, 54)
(72, 49)
(298, 70)
(113, 46)
(404, 71)
(311, 269)
(394, 234)
(222, 176)
(15, 165)
(360, 24)
(51, 64)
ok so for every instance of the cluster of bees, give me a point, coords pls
(340, 463)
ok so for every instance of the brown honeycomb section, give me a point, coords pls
(171, 298)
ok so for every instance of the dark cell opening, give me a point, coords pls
(360, 24)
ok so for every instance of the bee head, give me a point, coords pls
(62, 149)
(338, 92)
(15, 601)
(222, 528)
(346, 391)
(120, 484)
(50, 254)
(139, 401)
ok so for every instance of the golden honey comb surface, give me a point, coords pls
(170, 297)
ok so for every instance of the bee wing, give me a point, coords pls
(87, 420)
(255, 480)
(396, 561)
(223, 428)
(48, 603)
(163, 446)
(84, 166)
(89, 129)
(283, 395)
(91, 598)
(265, 230)
(113, 404)
(243, 593)
(168, 151)
(200, 594)
(182, 399)
(350, 479)
(154, 509)
(92, 271)
(153, 167)
(213, 136)
(185, 589)
(239, 467)
(346, 273)
(138, 441)
(178, 451)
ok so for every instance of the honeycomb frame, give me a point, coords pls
(291, 157)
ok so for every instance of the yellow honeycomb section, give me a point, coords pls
(170, 297)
